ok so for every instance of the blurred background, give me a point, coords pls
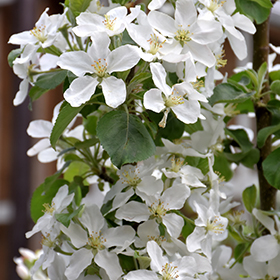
(19, 174)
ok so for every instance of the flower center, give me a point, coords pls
(174, 99)
(214, 5)
(47, 241)
(49, 208)
(216, 226)
(39, 33)
(130, 178)
(169, 272)
(176, 164)
(109, 24)
(155, 45)
(220, 61)
(96, 241)
(158, 210)
(183, 36)
(100, 67)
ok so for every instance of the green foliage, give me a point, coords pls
(76, 168)
(228, 93)
(124, 137)
(249, 197)
(275, 87)
(264, 133)
(249, 155)
(271, 169)
(36, 92)
(13, 55)
(258, 10)
(45, 193)
(222, 165)
(77, 6)
(66, 115)
(65, 218)
(51, 80)
(174, 128)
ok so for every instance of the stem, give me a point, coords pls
(263, 116)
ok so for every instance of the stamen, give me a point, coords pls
(100, 67)
(109, 24)
(155, 45)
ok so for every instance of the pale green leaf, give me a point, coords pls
(125, 138)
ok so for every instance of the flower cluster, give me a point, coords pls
(143, 185)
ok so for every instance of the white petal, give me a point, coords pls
(78, 262)
(133, 211)
(153, 100)
(118, 236)
(185, 13)
(265, 248)
(195, 238)
(175, 197)
(155, 253)
(92, 218)
(22, 93)
(110, 263)
(200, 53)
(47, 155)
(188, 112)
(99, 48)
(80, 90)
(156, 4)
(78, 62)
(122, 58)
(244, 23)
(141, 274)
(77, 235)
(114, 91)
(38, 147)
(88, 24)
(159, 78)
(174, 224)
(39, 129)
(265, 220)
(163, 23)
(257, 270)
(238, 46)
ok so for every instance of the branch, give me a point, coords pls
(263, 116)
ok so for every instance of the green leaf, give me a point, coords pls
(187, 228)
(264, 3)
(76, 168)
(51, 80)
(259, 10)
(271, 168)
(36, 92)
(66, 115)
(44, 194)
(264, 133)
(77, 6)
(124, 137)
(13, 55)
(65, 218)
(274, 75)
(174, 128)
(239, 251)
(261, 74)
(227, 93)
(90, 124)
(275, 87)
(248, 155)
(249, 197)
(200, 163)
(222, 165)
